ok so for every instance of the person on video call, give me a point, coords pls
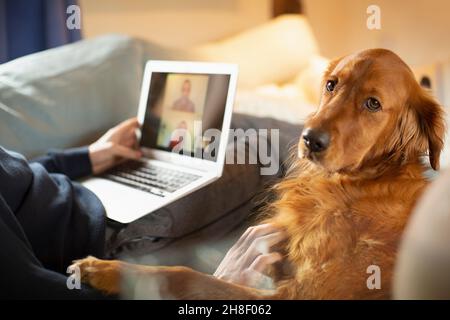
(47, 220)
(178, 135)
(184, 103)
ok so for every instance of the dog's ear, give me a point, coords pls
(430, 117)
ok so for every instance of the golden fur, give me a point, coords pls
(343, 209)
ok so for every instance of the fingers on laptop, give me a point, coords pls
(129, 124)
(125, 152)
(128, 127)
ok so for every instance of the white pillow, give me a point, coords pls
(271, 53)
(286, 103)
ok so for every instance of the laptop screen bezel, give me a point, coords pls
(190, 67)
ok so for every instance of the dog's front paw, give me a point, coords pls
(103, 275)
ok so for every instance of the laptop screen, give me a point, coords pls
(182, 112)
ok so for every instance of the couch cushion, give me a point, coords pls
(274, 52)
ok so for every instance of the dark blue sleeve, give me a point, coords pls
(22, 276)
(74, 163)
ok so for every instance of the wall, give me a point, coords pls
(418, 30)
(173, 22)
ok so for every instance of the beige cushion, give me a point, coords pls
(274, 52)
(310, 78)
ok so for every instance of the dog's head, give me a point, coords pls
(372, 109)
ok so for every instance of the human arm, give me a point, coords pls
(114, 146)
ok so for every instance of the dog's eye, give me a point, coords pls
(330, 85)
(372, 104)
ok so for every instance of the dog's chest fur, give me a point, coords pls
(338, 227)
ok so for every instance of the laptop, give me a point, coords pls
(185, 112)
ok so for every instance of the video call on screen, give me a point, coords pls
(178, 105)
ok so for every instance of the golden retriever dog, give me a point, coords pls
(345, 201)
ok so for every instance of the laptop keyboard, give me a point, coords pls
(150, 178)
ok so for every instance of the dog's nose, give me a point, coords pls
(316, 140)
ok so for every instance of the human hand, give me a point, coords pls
(246, 262)
(117, 144)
